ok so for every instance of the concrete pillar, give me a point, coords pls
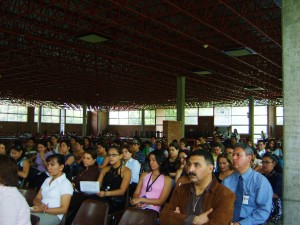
(291, 80)
(84, 119)
(181, 102)
(143, 123)
(251, 117)
(62, 121)
(39, 123)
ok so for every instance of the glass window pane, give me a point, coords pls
(12, 117)
(123, 121)
(260, 120)
(191, 112)
(69, 119)
(3, 109)
(55, 119)
(46, 111)
(171, 118)
(222, 116)
(123, 114)
(77, 113)
(258, 129)
(191, 120)
(113, 114)
(22, 118)
(149, 121)
(159, 128)
(113, 121)
(279, 120)
(134, 121)
(241, 129)
(13, 109)
(134, 114)
(171, 112)
(22, 110)
(160, 112)
(240, 120)
(69, 112)
(55, 112)
(239, 111)
(279, 111)
(3, 117)
(206, 111)
(260, 110)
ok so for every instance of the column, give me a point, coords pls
(39, 123)
(251, 117)
(291, 80)
(84, 119)
(181, 103)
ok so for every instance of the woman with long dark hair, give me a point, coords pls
(154, 187)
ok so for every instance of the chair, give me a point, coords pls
(35, 220)
(136, 216)
(29, 194)
(91, 212)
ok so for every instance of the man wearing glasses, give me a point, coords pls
(204, 200)
(253, 191)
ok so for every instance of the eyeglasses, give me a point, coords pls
(266, 162)
(113, 155)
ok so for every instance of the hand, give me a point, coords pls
(101, 194)
(202, 218)
(44, 207)
(136, 201)
(177, 210)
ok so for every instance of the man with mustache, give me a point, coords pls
(204, 200)
(255, 193)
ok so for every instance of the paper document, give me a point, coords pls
(89, 187)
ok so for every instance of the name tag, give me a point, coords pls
(245, 200)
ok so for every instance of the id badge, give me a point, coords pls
(245, 199)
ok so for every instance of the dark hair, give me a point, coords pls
(78, 141)
(261, 141)
(161, 160)
(8, 171)
(66, 142)
(59, 158)
(275, 143)
(205, 146)
(117, 148)
(2, 143)
(44, 143)
(275, 158)
(207, 156)
(54, 136)
(31, 139)
(183, 140)
(217, 145)
(18, 147)
(92, 152)
(128, 148)
(226, 156)
(175, 145)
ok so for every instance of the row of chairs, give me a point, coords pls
(96, 213)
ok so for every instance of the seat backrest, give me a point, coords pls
(136, 216)
(29, 194)
(92, 212)
(35, 220)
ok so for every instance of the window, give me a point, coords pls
(206, 111)
(125, 117)
(13, 113)
(191, 116)
(222, 116)
(279, 115)
(164, 114)
(74, 116)
(149, 117)
(49, 115)
(260, 121)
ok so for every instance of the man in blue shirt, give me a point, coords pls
(256, 194)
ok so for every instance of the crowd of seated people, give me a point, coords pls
(149, 171)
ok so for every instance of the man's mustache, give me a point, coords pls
(191, 174)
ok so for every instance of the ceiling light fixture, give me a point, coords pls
(92, 38)
(240, 52)
(253, 88)
(203, 72)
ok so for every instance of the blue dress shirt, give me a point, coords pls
(260, 193)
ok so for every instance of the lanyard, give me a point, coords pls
(149, 186)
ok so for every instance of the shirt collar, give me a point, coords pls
(210, 187)
(247, 174)
(60, 178)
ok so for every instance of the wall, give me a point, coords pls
(172, 130)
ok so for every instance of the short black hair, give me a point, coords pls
(207, 156)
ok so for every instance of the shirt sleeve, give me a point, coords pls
(135, 171)
(264, 194)
(66, 188)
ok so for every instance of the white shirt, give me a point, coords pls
(14, 209)
(135, 168)
(261, 152)
(51, 194)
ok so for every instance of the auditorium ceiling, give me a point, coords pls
(128, 54)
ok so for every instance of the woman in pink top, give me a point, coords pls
(155, 187)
